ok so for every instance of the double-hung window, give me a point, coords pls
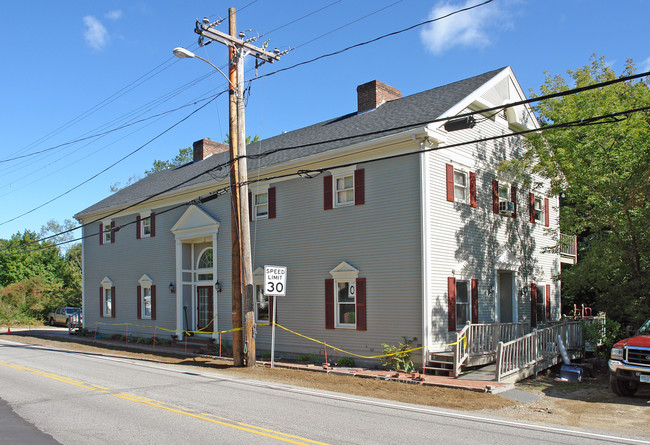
(107, 232)
(146, 298)
(145, 227)
(539, 209)
(344, 193)
(344, 187)
(260, 205)
(504, 198)
(461, 185)
(262, 308)
(345, 303)
(107, 298)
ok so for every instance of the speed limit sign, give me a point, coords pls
(275, 281)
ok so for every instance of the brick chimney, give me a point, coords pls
(205, 147)
(374, 93)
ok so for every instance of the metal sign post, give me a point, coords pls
(275, 285)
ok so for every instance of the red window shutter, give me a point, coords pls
(101, 301)
(139, 302)
(472, 189)
(495, 196)
(451, 310)
(113, 302)
(359, 187)
(533, 305)
(547, 218)
(548, 302)
(329, 303)
(138, 233)
(152, 222)
(101, 234)
(531, 207)
(361, 304)
(271, 202)
(113, 232)
(513, 198)
(250, 206)
(450, 182)
(153, 302)
(474, 300)
(327, 192)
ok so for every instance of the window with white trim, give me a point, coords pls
(463, 314)
(504, 192)
(344, 190)
(262, 307)
(146, 298)
(461, 186)
(145, 227)
(345, 301)
(539, 209)
(541, 303)
(260, 202)
(107, 232)
(107, 297)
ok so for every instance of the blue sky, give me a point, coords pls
(73, 70)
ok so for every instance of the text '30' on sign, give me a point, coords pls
(275, 281)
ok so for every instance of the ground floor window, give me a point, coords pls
(262, 308)
(345, 303)
(541, 303)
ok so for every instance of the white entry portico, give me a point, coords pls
(195, 233)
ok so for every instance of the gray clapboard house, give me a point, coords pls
(385, 232)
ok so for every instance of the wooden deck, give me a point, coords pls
(512, 352)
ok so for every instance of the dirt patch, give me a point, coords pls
(589, 404)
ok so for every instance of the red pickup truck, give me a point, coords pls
(629, 362)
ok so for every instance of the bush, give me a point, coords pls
(400, 357)
(593, 334)
(345, 362)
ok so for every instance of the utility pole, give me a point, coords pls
(242, 273)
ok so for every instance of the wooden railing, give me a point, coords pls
(461, 349)
(525, 352)
(568, 245)
(484, 338)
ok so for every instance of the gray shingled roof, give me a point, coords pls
(392, 117)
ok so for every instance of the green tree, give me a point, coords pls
(184, 156)
(602, 173)
(249, 139)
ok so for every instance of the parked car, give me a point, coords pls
(62, 316)
(629, 363)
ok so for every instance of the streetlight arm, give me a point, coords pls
(183, 53)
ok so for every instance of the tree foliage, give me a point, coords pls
(184, 156)
(602, 173)
(36, 277)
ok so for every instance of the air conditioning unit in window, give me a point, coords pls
(506, 207)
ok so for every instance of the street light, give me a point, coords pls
(183, 53)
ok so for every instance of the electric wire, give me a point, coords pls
(609, 118)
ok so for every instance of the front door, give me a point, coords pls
(505, 297)
(204, 307)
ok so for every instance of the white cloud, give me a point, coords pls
(473, 28)
(95, 34)
(114, 15)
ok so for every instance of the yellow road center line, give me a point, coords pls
(156, 404)
(218, 422)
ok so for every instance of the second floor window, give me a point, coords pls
(460, 186)
(344, 190)
(107, 234)
(260, 205)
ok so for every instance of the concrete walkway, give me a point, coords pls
(481, 380)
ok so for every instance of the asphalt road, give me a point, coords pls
(85, 398)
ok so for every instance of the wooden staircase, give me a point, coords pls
(440, 363)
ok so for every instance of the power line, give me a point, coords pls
(608, 118)
(367, 42)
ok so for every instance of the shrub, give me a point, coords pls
(400, 357)
(345, 362)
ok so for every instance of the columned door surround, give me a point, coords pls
(193, 227)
